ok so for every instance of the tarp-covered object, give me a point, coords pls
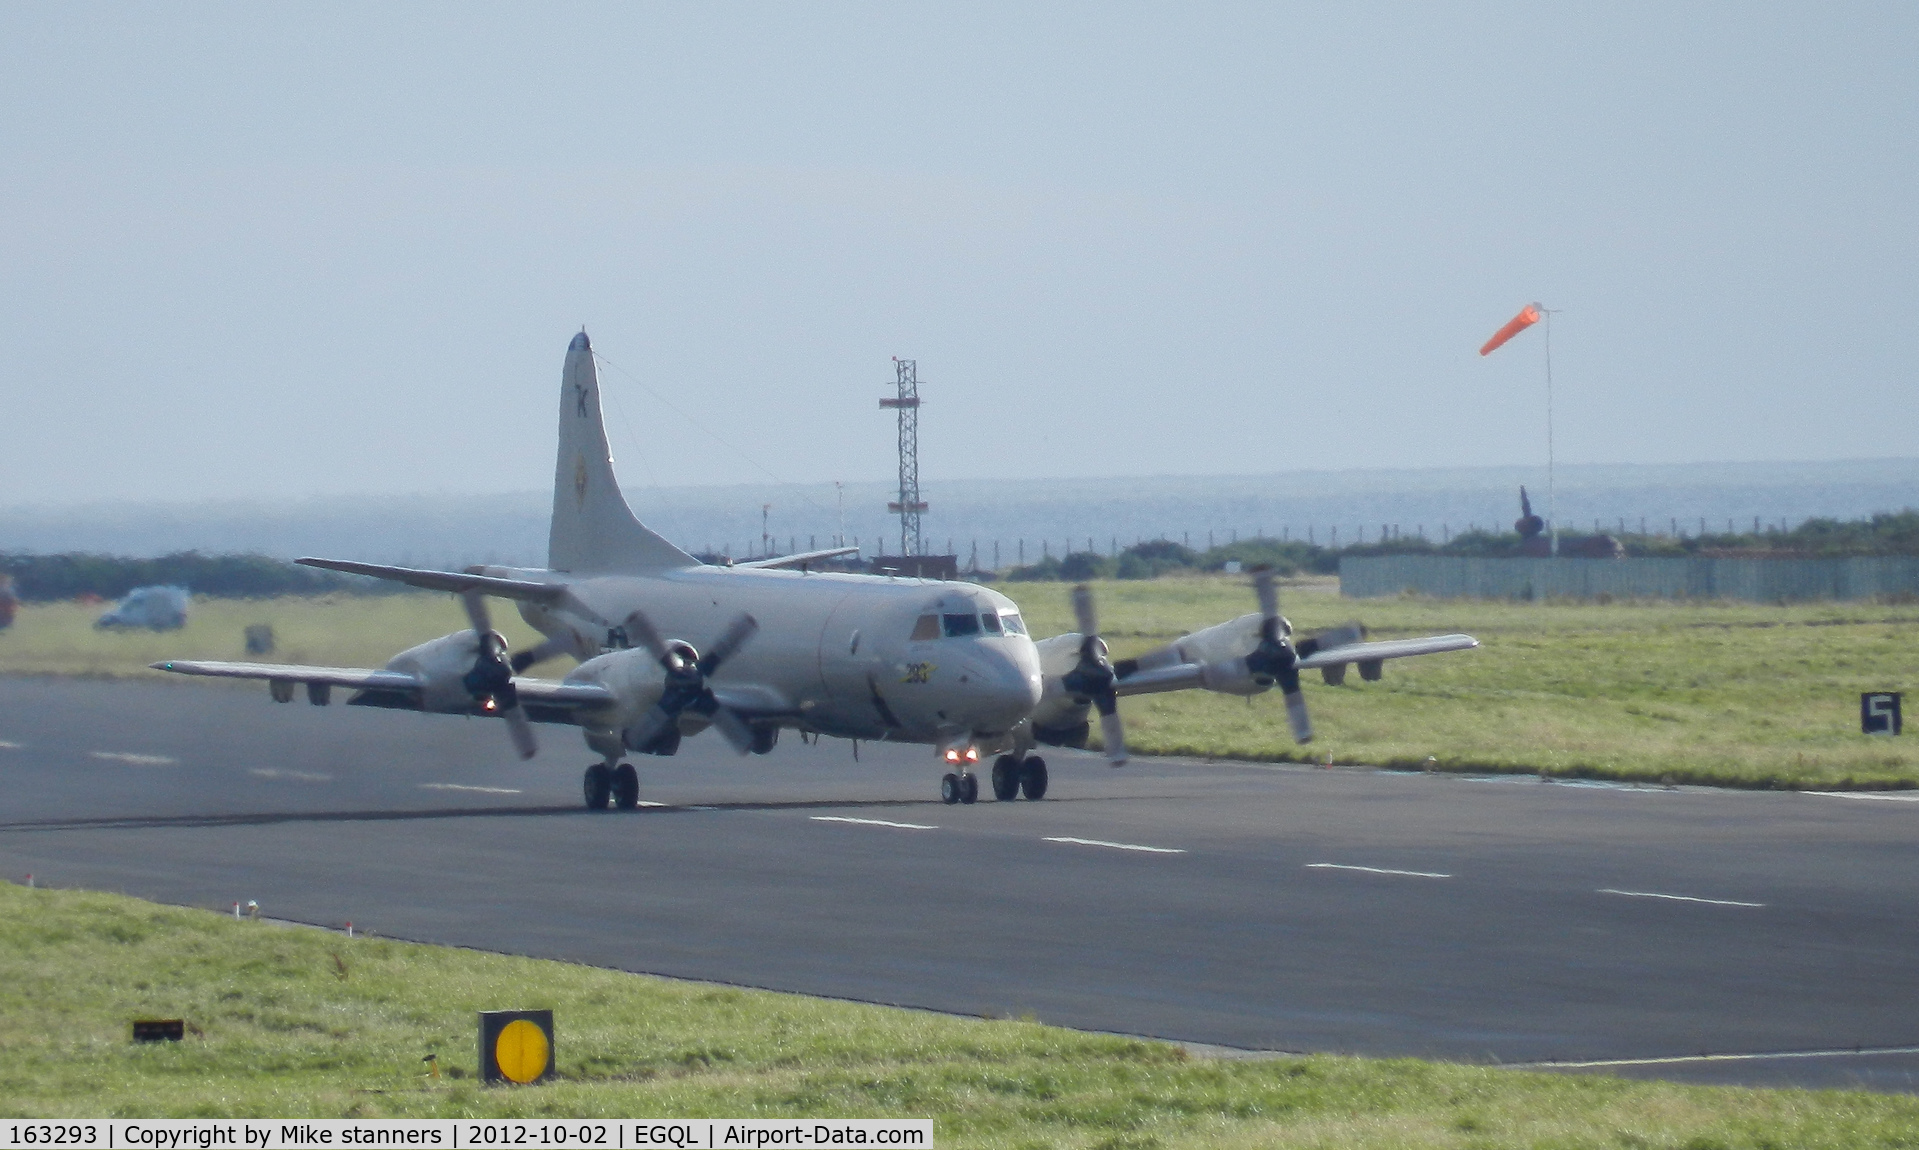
(156, 608)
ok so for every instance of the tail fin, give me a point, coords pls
(593, 528)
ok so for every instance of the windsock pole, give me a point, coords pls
(1552, 502)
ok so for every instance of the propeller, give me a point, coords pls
(686, 688)
(1274, 657)
(490, 682)
(1093, 679)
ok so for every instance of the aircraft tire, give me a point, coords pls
(598, 786)
(1005, 778)
(1032, 778)
(949, 788)
(969, 788)
(626, 787)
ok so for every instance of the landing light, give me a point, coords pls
(490, 705)
(957, 756)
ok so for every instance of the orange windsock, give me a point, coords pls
(1528, 316)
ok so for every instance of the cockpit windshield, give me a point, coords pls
(962, 625)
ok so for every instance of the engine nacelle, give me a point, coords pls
(636, 681)
(441, 666)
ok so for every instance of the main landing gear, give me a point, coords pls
(620, 784)
(1013, 776)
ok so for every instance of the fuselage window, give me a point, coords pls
(991, 621)
(959, 626)
(927, 628)
(1012, 623)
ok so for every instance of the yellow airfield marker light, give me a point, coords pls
(516, 1046)
(432, 1065)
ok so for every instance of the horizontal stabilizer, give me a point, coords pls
(800, 560)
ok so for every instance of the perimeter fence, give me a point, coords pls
(1755, 580)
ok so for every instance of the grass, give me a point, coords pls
(1660, 691)
(328, 630)
(1729, 694)
(290, 1022)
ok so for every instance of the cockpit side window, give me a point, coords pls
(1012, 622)
(928, 627)
(959, 626)
(991, 622)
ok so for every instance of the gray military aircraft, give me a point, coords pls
(784, 646)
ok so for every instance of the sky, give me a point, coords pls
(284, 251)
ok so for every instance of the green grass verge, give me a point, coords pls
(1662, 691)
(1728, 694)
(289, 1022)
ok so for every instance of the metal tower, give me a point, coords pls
(909, 506)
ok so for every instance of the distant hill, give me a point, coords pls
(455, 529)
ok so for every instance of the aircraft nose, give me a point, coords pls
(1005, 691)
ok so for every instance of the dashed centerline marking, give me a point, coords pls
(5, 745)
(1117, 846)
(1678, 897)
(134, 760)
(872, 823)
(1377, 870)
(468, 787)
(296, 776)
(1882, 796)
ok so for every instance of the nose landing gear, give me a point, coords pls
(959, 788)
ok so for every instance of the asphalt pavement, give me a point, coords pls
(1690, 934)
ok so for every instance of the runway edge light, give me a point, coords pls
(516, 1046)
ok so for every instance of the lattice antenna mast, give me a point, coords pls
(909, 506)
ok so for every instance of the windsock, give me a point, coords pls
(1528, 316)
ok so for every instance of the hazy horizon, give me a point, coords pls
(276, 252)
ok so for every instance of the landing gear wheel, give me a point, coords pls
(1032, 778)
(626, 787)
(969, 788)
(949, 788)
(598, 786)
(1005, 778)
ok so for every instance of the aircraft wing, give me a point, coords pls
(358, 678)
(800, 560)
(1177, 677)
(551, 594)
(549, 694)
(1388, 649)
(752, 701)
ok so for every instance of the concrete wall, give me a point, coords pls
(1758, 580)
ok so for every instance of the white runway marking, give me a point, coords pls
(133, 760)
(466, 787)
(1378, 870)
(8, 746)
(1677, 897)
(648, 803)
(872, 823)
(296, 776)
(1882, 796)
(1860, 1053)
(1118, 846)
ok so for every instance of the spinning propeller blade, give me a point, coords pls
(1275, 657)
(490, 682)
(686, 688)
(1093, 678)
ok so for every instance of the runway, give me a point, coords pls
(1367, 912)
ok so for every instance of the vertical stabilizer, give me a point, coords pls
(593, 528)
